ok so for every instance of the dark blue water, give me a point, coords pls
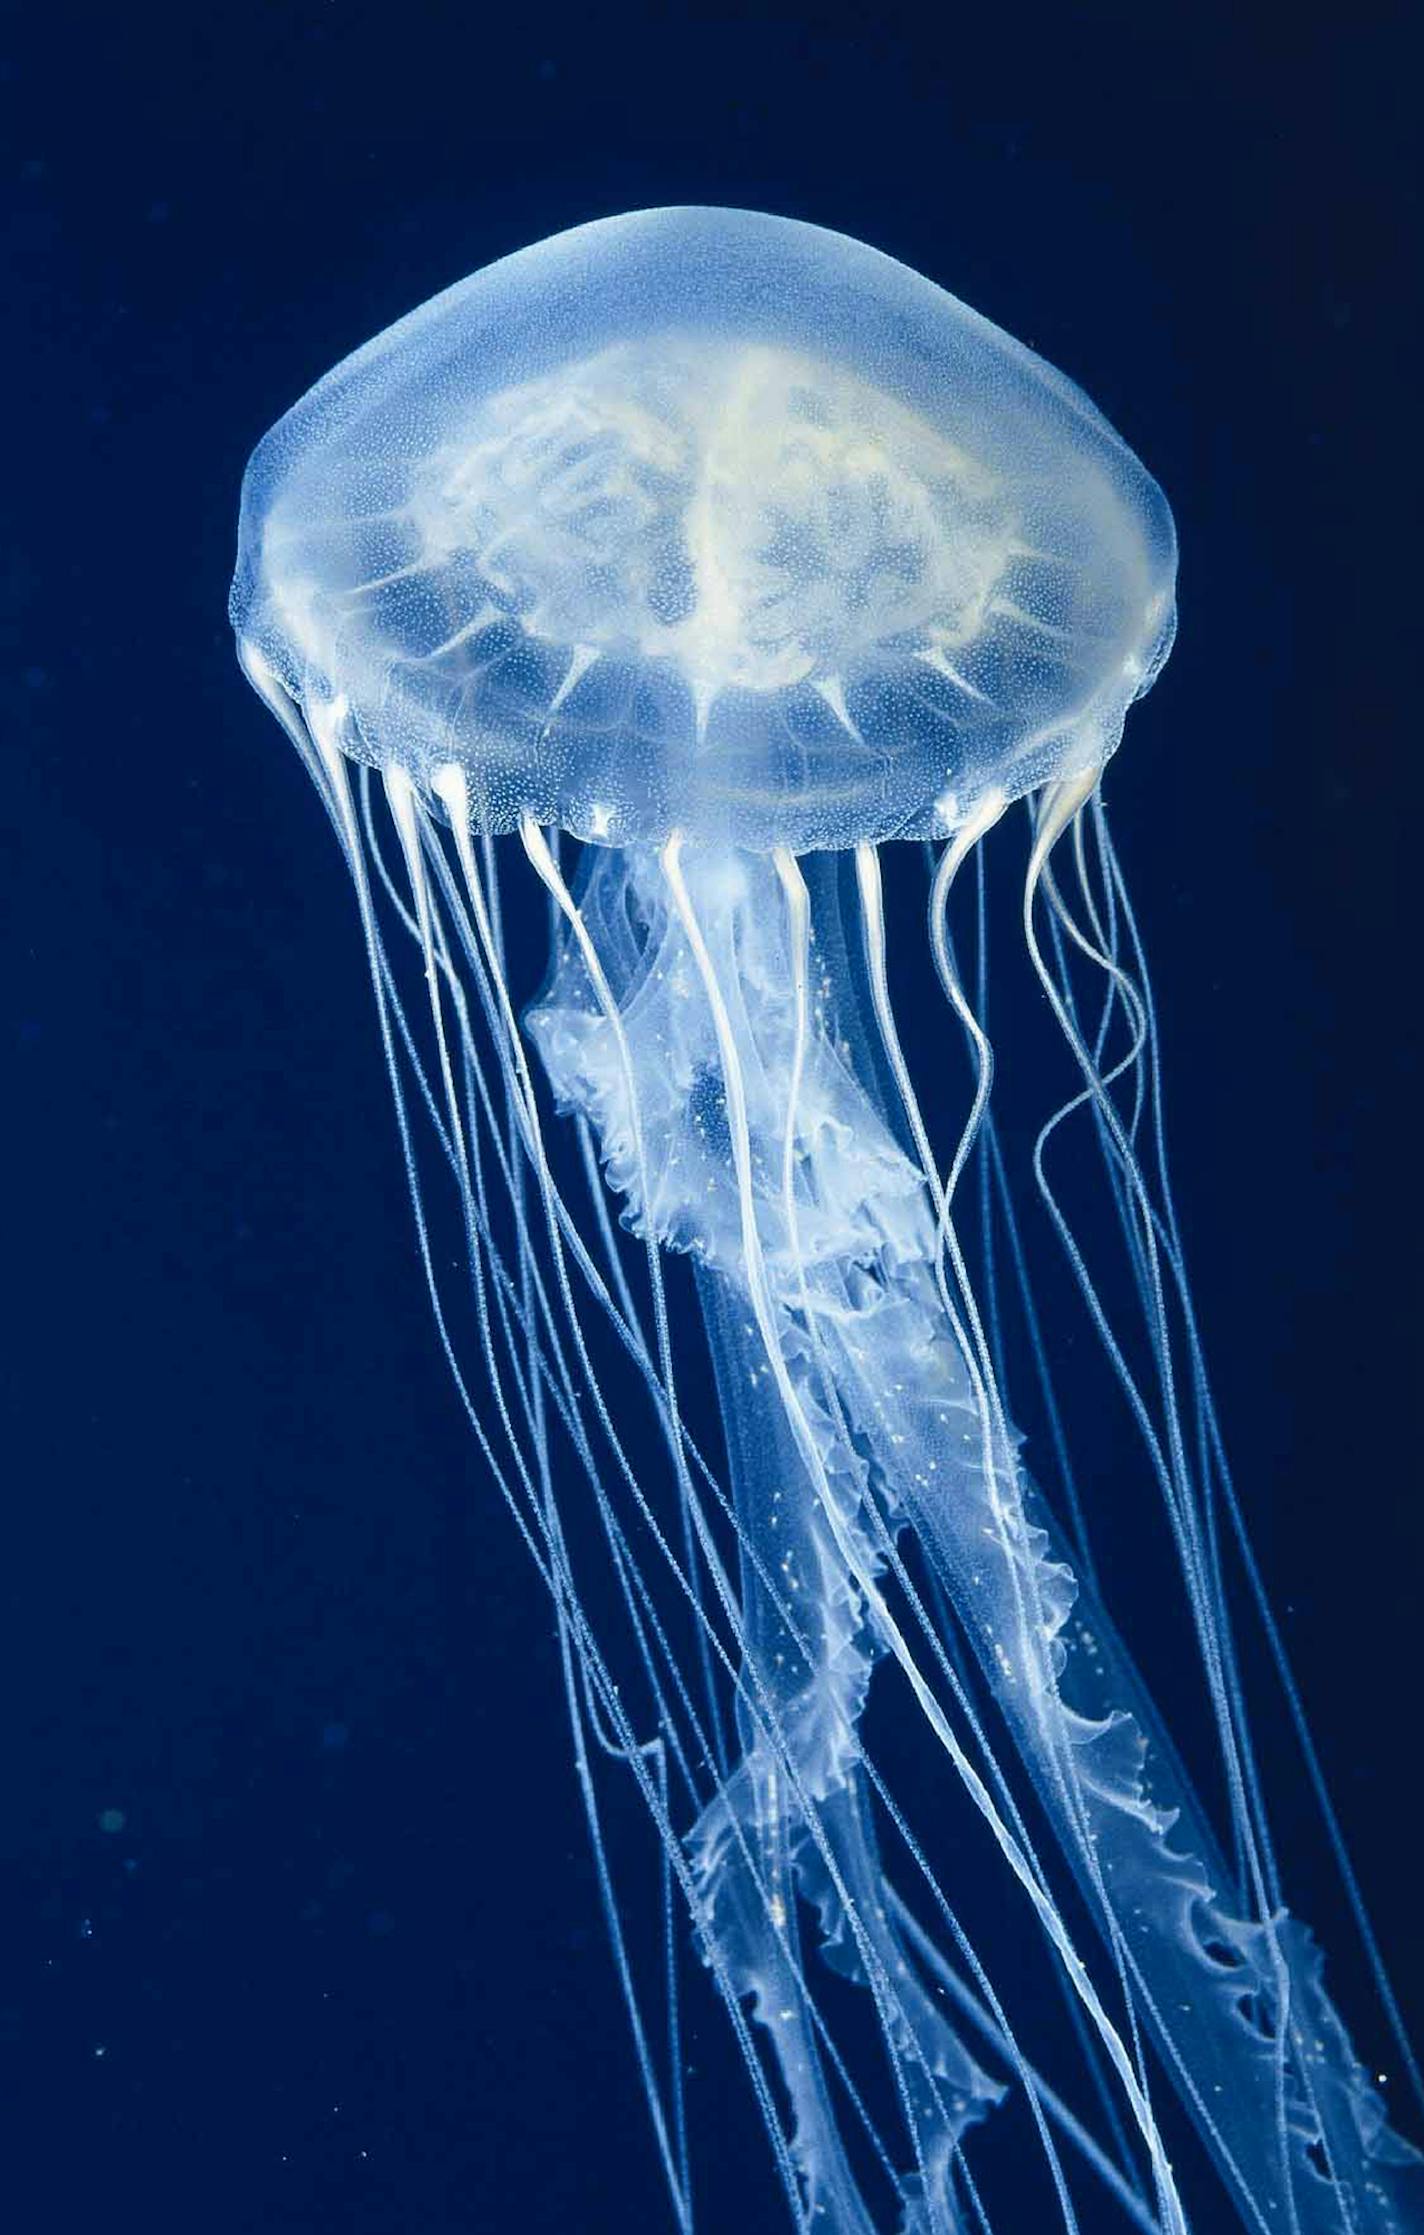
(297, 1927)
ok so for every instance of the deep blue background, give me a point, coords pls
(340, 1969)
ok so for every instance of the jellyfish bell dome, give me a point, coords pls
(705, 521)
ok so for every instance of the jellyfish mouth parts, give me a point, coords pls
(688, 1029)
(755, 1147)
(745, 1090)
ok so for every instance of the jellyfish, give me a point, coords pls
(708, 638)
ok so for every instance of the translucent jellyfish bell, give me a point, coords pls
(622, 602)
(707, 520)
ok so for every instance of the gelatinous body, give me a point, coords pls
(718, 551)
(731, 527)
